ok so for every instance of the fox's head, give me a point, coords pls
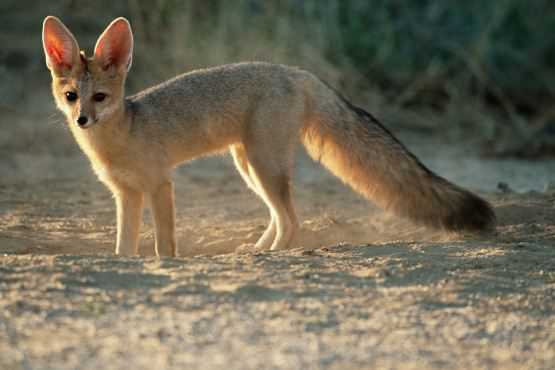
(88, 90)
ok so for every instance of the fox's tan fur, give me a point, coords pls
(259, 112)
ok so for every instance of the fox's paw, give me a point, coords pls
(245, 248)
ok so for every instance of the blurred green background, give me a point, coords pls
(473, 70)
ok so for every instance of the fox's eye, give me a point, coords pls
(98, 97)
(71, 96)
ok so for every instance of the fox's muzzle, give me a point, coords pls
(84, 122)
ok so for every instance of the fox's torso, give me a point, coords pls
(193, 114)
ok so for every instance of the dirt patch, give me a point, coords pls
(360, 290)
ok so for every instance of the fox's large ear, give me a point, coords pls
(60, 47)
(114, 47)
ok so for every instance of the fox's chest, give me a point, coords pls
(118, 169)
(124, 162)
(117, 176)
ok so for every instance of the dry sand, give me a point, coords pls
(362, 290)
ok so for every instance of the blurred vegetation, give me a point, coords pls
(480, 69)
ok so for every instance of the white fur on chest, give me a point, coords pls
(117, 176)
(120, 164)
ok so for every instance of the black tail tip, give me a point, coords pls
(473, 214)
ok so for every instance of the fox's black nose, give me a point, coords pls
(82, 120)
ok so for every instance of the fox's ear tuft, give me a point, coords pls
(60, 47)
(114, 47)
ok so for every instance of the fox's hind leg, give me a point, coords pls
(240, 159)
(275, 190)
(269, 168)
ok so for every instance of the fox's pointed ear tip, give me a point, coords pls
(122, 20)
(50, 18)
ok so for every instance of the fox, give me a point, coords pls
(258, 111)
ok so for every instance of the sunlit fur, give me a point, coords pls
(258, 111)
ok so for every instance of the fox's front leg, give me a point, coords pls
(129, 204)
(163, 211)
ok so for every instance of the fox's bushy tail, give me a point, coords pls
(354, 146)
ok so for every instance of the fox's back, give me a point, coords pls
(230, 90)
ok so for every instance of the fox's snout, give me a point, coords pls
(82, 117)
(82, 121)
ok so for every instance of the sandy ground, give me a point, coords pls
(361, 290)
